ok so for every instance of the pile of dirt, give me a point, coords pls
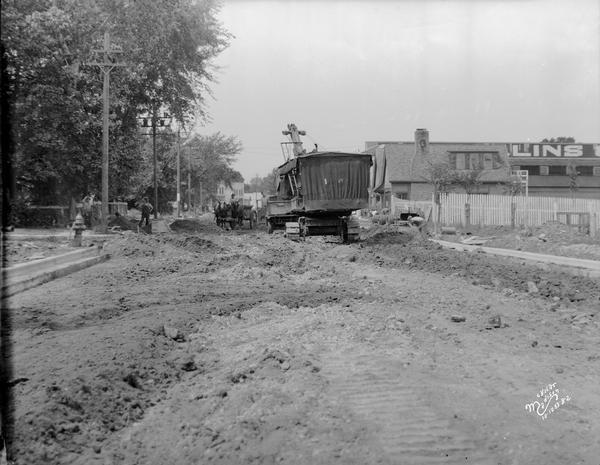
(559, 232)
(390, 234)
(136, 245)
(197, 244)
(124, 223)
(194, 225)
(75, 415)
(503, 274)
(552, 238)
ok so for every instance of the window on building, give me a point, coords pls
(557, 170)
(544, 170)
(401, 195)
(488, 161)
(585, 170)
(475, 160)
(497, 161)
(533, 170)
(596, 170)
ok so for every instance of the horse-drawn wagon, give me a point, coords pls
(234, 214)
(249, 215)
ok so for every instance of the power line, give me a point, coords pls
(106, 64)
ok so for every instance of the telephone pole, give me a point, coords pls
(154, 164)
(107, 64)
(181, 128)
(155, 120)
(178, 171)
(189, 186)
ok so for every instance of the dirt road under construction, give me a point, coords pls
(241, 347)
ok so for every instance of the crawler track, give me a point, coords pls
(409, 429)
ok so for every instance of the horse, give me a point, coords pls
(222, 215)
(237, 213)
(218, 209)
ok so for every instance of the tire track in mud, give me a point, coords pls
(409, 430)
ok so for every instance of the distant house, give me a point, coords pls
(401, 170)
(226, 190)
(256, 199)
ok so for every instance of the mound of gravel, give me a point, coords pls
(391, 234)
(194, 225)
(197, 244)
(124, 222)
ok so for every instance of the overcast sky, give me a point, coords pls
(351, 71)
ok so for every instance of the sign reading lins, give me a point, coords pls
(553, 150)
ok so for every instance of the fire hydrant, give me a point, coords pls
(78, 227)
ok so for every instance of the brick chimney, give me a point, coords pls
(422, 142)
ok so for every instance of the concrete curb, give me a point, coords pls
(43, 264)
(55, 237)
(578, 266)
(24, 276)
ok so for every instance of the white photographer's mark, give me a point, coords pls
(549, 401)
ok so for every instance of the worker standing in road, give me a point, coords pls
(146, 208)
(86, 209)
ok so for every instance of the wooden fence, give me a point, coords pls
(490, 210)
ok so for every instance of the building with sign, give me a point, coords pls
(402, 170)
(559, 169)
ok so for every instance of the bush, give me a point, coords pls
(17, 212)
(24, 215)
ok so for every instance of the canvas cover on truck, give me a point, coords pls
(335, 181)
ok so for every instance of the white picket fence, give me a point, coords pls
(489, 210)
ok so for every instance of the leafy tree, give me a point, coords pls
(267, 184)
(210, 156)
(469, 180)
(141, 183)
(513, 185)
(56, 95)
(211, 160)
(442, 177)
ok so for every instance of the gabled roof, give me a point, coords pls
(400, 158)
(404, 164)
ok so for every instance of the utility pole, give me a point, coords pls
(200, 202)
(189, 186)
(154, 163)
(107, 64)
(186, 134)
(178, 171)
(155, 120)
